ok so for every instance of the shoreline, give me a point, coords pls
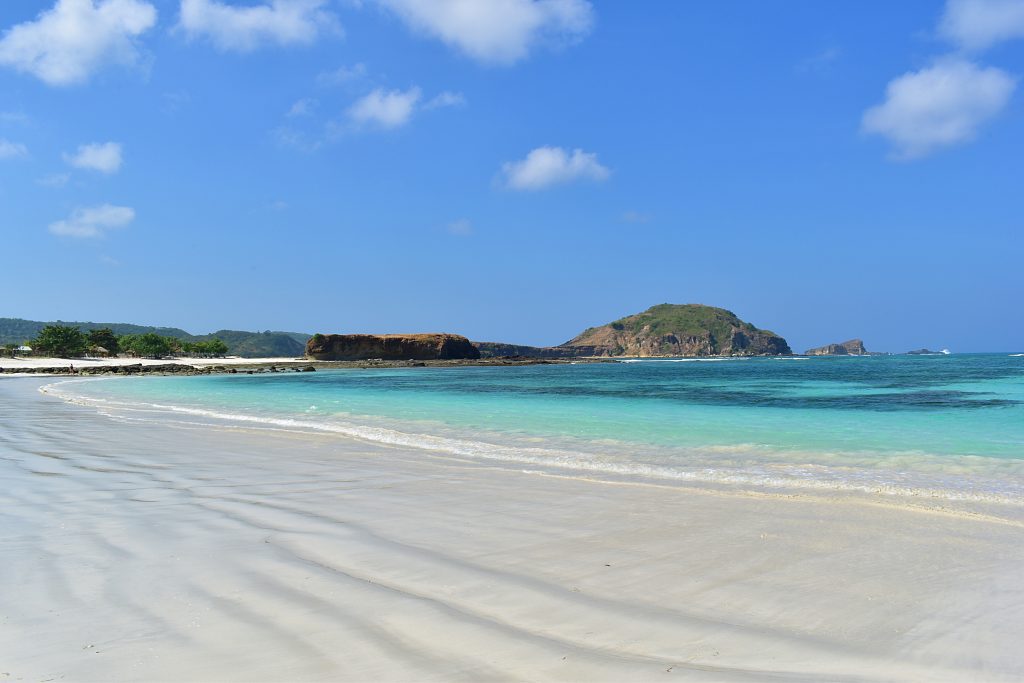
(140, 549)
(549, 459)
(233, 365)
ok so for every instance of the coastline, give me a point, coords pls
(144, 549)
(231, 365)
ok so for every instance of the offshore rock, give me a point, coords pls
(853, 347)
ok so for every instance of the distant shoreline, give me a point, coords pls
(208, 366)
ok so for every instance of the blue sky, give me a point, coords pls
(516, 170)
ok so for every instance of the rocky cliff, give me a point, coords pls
(663, 330)
(389, 347)
(853, 347)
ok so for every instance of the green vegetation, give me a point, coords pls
(679, 329)
(212, 347)
(684, 319)
(238, 343)
(104, 338)
(148, 345)
(266, 344)
(61, 341)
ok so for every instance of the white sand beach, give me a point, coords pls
(29, 362)
(134, 549)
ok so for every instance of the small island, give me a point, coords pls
(852, 347)
(665, 330)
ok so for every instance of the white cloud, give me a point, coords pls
(385, 108)
(980, 24)
(303, 107)
(446, 99)
(462, 227)
(66, 44)
(341, 75)
(12, 150)
(14, 117)
(939, 106)
(245, 28)
(496, 31)
(547, 166)
(820, 62)
(104, 157)
(55, 180)
(94, 221)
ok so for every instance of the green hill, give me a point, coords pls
(245, 344)
(262, 344)
(678, 330)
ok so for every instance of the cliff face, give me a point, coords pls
(389, 347)
(853, 347)
(678, 330)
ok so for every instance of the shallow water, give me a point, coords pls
(947, 426)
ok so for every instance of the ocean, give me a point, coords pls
(924, 426)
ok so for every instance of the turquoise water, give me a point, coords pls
(943, 425)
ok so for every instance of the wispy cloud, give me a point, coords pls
(446, 99)
(342, 75)
(246, 28)
(173, 102)
(94, 221)
(500, 31)
(980, 24)
(65, 45)
(12, 150)
(104, 157)
(820, 62)
(636, 217)
(544, 167)
(54, 180)
(461, 228)
(938, 106)
(14, 117)
(303, 107)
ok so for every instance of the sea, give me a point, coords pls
(945, 427)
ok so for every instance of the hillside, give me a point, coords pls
(245, 344)
(678, 330)
(663, 330)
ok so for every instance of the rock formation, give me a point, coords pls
(389, 347)
(853, 347)
(663, 330)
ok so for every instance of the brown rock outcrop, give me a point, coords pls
(853, 347)
(390, 347)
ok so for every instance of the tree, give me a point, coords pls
(106, 338)
(152, 345)
(126, 342)
(216, 347)
(149, 345)
(61, 341)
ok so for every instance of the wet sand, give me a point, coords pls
(143, 550)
